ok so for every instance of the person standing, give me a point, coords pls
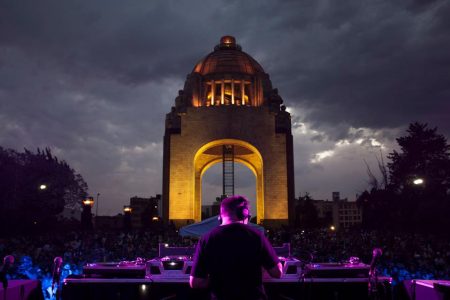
(229, 259)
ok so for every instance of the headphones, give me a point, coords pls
(239, 213)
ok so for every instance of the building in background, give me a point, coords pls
(340, 213)
(346, 213)
(144, 211)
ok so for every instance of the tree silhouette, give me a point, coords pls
(306, 213)
(424, 154)
(35, 187)
(401, 203)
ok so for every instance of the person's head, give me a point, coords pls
(235, 209)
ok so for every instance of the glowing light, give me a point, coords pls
(143, 287)
(155, 219)
(321, 155)
(127, 209)
(166, 245)
(418, 181)
(332, 228)
(88, 202)
(42, 187)
(172, 263)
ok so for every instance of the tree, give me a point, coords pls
(306, 213)
(400, 203)
(35, 187)
(424, 154)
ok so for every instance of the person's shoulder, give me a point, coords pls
(213, 232)
(252, 231)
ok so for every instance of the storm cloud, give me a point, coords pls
(93, 80)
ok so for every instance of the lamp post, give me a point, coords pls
(86, 215)
(96, 207)
(127, 217)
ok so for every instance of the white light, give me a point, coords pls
(143, 287)
(418, 181)
(332, 228)
(42, 187)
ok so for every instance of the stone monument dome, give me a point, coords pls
(228, 57)
(227, 76)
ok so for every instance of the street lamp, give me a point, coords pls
(88, 201)
(418, 181)
(86, 215)
(332, 228)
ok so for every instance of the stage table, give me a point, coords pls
(22, 290)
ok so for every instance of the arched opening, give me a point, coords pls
(246, 154)
(211, 183)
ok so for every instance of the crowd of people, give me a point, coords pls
(405, 256)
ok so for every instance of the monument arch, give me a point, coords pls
(228, 110)
(245, 153)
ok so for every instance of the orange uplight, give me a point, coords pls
(88, 202)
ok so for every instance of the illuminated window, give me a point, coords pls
(217, 93)
(237, 93)
(209, 94)
(247, 94)
(228, 92)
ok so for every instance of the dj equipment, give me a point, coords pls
(178, 288)
(419, 289)
(336, 270)
(124, 269)
(169, 267)
(21, 290)
(167, 277)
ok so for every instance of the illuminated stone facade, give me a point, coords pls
(228, 99)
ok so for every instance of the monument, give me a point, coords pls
(228, 112)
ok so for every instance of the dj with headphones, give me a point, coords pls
(229, 259)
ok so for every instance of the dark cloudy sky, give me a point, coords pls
(93, 81)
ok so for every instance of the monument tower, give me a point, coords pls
(228, 108)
